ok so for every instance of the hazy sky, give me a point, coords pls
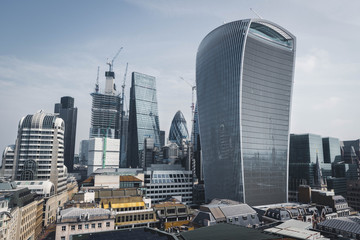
(50, 49)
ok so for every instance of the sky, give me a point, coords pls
(50, 49)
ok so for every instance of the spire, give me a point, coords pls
(318, 178)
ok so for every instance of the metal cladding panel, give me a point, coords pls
(244, 74)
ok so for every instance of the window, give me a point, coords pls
(99, 225)
(107, 224)
(86, 226)
(63, 228)
(80, 227)
(62, 238)
(72, 227)
(93, 225)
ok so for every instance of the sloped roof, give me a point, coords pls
(225, 231)
(347, 224)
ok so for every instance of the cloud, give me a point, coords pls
(328, 104)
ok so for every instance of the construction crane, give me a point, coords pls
(193, 89)
(122, 114)
(97, 81)
(111, 64)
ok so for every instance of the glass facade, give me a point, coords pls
(331, 148)
(143, 117)
(305, 151)
(244, 73)
(178, 129)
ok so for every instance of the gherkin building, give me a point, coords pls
(178, 129)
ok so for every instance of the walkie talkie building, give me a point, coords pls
(244, 78)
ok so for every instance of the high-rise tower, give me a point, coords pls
(244, 78)
(178, 129)
(143, 117)
(39, 149)
(66, 110)
(105, 111)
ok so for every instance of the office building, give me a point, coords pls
(244, 78)
(178, 129)
(166, 181)
(306, 162)
(66, 110)
(39, 151)
(353, 196)
(350, 151)
(162, 138)
(123, 141)
(79, 221)
(143, 117)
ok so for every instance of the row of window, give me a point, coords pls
(170, 186)
(135, 217)
(86, 226)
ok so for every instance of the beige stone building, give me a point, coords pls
(78, 221)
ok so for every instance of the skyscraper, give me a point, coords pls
(244, 76)
(105, 111)
(65, 110)
(143, 117)
(178, 129)
(39, 149)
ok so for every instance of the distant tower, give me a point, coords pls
(65, 110)
(143, 117)
(178, 129)
(244, 79)
(39, 149)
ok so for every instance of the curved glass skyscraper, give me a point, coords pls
(178, 129)
(244, 76)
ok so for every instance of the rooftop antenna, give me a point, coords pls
(256, 13)
(97, 81)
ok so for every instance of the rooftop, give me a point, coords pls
(133, 234)
(296, 229)
(347, 224)
(129, 178)
(225, 231)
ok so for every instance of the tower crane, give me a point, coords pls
(191, 160)
(97, 81)
(111, 64)
(122, 114)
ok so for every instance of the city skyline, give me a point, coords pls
(45, 55)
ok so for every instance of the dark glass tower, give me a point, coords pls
(244, 78)
(66, 110)
(143, 117)
(178, 129)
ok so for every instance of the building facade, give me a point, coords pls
(244, 78)
(39, 151)
(165, 181)
(68, 113)
(78, 221)
(103, 152)
(143, 117)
